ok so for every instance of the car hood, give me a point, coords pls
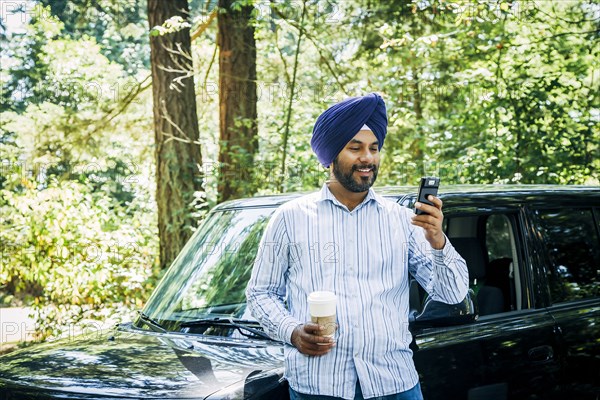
(133, 363)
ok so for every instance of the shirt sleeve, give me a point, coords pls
(266, 290)
(442, 273)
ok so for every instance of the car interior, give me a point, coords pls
(487, 243)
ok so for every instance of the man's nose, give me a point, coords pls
(366, 156)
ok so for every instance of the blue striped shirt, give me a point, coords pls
(364, 256)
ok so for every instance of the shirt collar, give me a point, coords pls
(325, 194)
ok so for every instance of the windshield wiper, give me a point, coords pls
(151, 322)
(240, 325)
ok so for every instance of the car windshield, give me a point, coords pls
(209, 277)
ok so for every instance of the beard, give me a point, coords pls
(346, 177)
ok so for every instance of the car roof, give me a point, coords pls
(402, 192)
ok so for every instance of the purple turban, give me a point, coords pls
(342, 121)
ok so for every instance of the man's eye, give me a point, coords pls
(354, 148)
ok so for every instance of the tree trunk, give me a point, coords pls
(177, 152)
(237, 102)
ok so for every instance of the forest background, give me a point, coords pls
(478, 91)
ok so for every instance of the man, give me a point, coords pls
(351, 241)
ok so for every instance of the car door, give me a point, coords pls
(512, 351)
(570, 239)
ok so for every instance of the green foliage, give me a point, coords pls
(119, 26)
(494, 92)
(79, 238)
(477, 91)
(69, 247)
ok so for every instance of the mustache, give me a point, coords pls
(370, 166)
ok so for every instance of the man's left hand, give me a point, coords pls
(431, 222)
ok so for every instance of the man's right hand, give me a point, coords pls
(306, 339)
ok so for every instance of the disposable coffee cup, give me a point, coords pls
(322, 311)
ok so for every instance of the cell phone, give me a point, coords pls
(429, 185)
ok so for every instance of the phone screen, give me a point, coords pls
(429, 185)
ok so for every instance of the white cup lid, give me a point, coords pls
(321, 297)
(322, 304)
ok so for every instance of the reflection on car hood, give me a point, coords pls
(133, 363)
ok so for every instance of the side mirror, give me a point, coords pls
(436, 313)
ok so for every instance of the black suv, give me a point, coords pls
(530, 327)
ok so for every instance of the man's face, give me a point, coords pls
(355, 168)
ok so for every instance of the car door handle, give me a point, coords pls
(541, 354)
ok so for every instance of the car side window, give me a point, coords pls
(572, 242)
(487, 244)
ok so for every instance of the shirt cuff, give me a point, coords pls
(441, 254)
(287, 328)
